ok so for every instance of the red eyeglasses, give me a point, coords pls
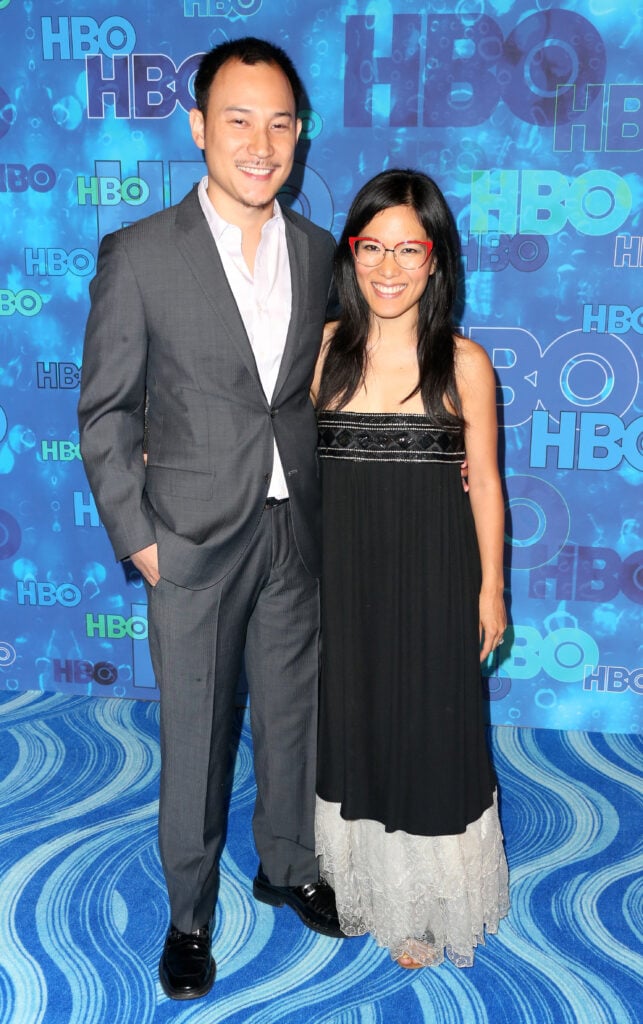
(370, 252)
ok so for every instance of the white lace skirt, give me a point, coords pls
(421, 895)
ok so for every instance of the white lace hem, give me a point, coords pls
(421, 895)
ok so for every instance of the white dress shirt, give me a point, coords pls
(264, 300)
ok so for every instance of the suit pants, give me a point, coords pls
(266, 611)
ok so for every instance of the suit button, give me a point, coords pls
(273, 413)
(266, 477)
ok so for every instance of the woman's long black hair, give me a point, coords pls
(345, 363)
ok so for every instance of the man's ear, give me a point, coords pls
(197, 127)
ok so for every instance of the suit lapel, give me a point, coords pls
(196, 244)
(297, 243)
(198, 248)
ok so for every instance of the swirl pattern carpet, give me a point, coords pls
(83, 908)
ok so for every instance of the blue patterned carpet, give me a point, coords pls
(83, 910)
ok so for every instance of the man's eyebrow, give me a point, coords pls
(250, 110)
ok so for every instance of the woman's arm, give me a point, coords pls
(477, 387)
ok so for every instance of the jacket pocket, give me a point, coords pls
(183, 483)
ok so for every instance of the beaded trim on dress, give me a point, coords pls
(421, 895)
(387, 437)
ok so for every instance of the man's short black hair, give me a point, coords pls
(248, 50)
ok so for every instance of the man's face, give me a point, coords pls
(249, 137)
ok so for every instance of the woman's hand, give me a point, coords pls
(493, 622)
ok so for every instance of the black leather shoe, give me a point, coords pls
(313, 902)
(186, 968)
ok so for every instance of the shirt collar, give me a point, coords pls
(218, 225)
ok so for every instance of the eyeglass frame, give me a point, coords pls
(353, 239)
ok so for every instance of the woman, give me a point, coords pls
(407, 825)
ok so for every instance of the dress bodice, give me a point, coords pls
(389, 437)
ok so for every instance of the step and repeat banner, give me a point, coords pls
(528, 114)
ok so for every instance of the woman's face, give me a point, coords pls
(390, 290)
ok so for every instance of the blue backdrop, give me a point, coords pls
(529, 116)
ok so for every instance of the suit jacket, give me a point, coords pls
(164, 324)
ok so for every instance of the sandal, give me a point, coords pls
(408, 962)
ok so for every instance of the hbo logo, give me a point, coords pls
(613, 679)
(75, 38)
(111, 191)
(116, 627)
(56, 262)
(562, 654)
(46, 594)
(18, 178)
(77, 671)
(25, 302)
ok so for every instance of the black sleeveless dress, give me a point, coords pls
(402, 738)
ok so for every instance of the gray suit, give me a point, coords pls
(236, 580)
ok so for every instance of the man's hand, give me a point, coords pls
(464, 475)
(147, 562)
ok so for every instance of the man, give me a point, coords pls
(205, 324)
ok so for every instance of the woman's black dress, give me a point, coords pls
(402, 745)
